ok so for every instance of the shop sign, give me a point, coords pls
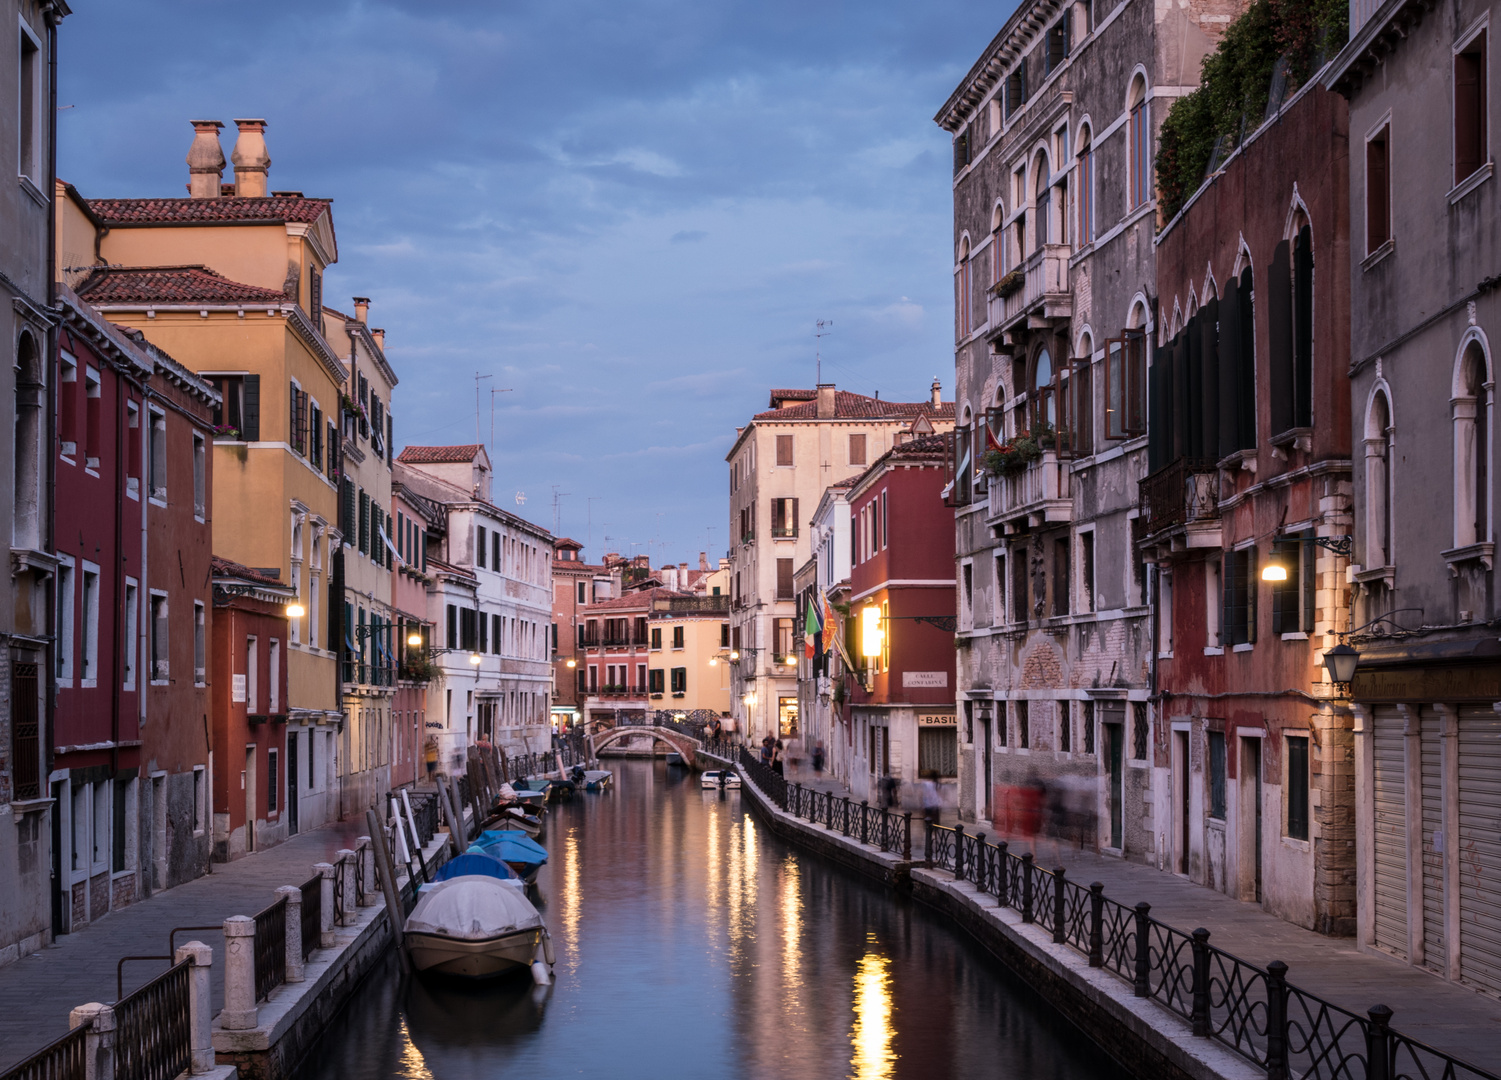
(937, 718)
(1428, 684)
(924, 680)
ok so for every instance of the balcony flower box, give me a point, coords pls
(1012, 457)
(1011, 283)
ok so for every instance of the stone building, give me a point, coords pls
(780, 465)
(576, 583)
(1423, 287)
(1054, 131)
(1249, 459)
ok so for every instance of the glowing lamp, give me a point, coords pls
(414, 640)
(295, 610)
(474, 658)
(871, 636)
(572, 662)
(1274, 570)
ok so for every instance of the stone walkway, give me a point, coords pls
(38, 991)
(1452, 1018)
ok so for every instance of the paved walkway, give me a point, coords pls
(38, 991)
(1451, 1018)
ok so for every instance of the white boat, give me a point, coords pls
(710, 778)
(477, 926)
(597, 779)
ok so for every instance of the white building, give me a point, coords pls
(829, 538)
(490, 603)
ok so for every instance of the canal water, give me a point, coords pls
(693, 943)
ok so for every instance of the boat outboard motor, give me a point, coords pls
(578, 774)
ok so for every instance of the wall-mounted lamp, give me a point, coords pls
(474, 658)
(571, 662)
(871, 634)
(414, 640)
(295, 610)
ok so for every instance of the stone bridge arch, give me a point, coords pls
(683, 744)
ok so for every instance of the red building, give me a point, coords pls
(902, 721)
(1249, 449)
(251, 807)
(575, 585)
(131, 747)
(614, 656)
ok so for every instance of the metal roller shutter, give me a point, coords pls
(1391, 831)
(1480, 847)
(1435, 957)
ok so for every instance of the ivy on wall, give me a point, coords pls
(1235, 84)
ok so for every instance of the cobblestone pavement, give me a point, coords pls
(38, 991)
(1452, 1018)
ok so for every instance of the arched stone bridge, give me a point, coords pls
(686, 745)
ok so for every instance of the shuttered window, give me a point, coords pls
(363, 544)
(1057, 45)
(1293, 599)
(784, 449)
(1303, 328)
(961, 151)
(784, 517)
(1238, 608)
(1469, 108)
(1217, 775)
(784, 579)
(1297, 787)
(857, 449)
(1378, 191)
(1280, 325)
(1141, 160)
(1016, 89)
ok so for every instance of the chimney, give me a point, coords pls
(380, 337)
(205, 160)
(825, 401)
(937, 392)
(703, 561)
(362, 308)
(250, 159)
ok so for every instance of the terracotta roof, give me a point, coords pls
(850, 406)
(274, 210)
(779, 396)
(639, 599)
(439, 455)
(222, 567)
(925, 448)
(567, 542)
(170, 285)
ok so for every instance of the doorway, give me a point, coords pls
(292, 774)
(1115, 738)
(248, 782)
(1250, 806)
(1180, 799)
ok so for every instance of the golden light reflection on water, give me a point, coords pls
(571, 900)
(412, 1066)
(792, 924)
(713, 901)
(872, 1033)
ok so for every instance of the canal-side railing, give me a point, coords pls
(270, 948)
(312, 914)
(61, 1059)
(1289, 1032)
(153, 1032)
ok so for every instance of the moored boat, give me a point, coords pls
(515, 848)
(476, 925)
(597, 779)
(711, 778)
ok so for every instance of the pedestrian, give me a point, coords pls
(766, 751)
(1026, 810)
(777, 750)
(932, 802)
(818, 759)
(430, 755)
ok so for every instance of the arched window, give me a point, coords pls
(26, 525)
(1378, 481)
(1079, 387)
(1139, 152)
(1044, 201)
(1044, 410)
(1086, 188)
(997, 244)
(964, 292)
(1290, 321)
(1471, 406)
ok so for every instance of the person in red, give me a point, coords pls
(1024, 807)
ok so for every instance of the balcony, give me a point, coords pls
(1043, 291)
(1040, 494)
(1180, 506)
(688, 605)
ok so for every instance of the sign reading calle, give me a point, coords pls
(925, 679)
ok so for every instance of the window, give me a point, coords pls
(1378, 189)
(91, 418)
(315, 296)
(1056, 49)
(1238, 582)
(484, 635)
(468, 629)
(1065, 727)
(65, 604)
(1471, 409)
(1297, 787)
(494, 552)
(1139, 147)
(724, 635)
(593, 678)
(1293, 599)
(315, 436)
(297, 418)
(784, 449)
(33, 125)
(1076, 391)
(1126, 385)
(362, 541)
(677, 636)
(160, 668)
(1165, 613)
(1469, 108)
(229, 415)
(1086, 182)
(998, 595)
(1140, 731)
(1044, 202)
(581, 594)
(655, 680)
(582, 686)
(968, 579)
(857, 449)
(1290, 322)
(157, 455)
(783, 518)
(89, 639)
(273, 780)
(133, 450)
(132, 630)
(1023, 724)
(252, 676)
(783, 640)
(1088, 726)
(1217, 775)
(962, 150)
(679, 680)
(656, 637)
(1086, 571)
(938, 751)
(200, 644)
(784, 579)
(1040, 400)
(199, 788)
(335, 454)
(1016, 89)
(964, 293)
(200, 476)
(1019, 585)
(1061, 559)
(495, 624)
(479, 548)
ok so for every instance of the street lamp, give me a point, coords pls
(295, 610)
(571, 662)
(414, 639)
(870, 632)
(791, 660)
(474, 658)
(1276, 566)
(1341, 662)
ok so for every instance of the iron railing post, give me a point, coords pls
(846, 815)
(1379, 1044)
(1096, 924)
(981, 873)
(1200, 1012)
(797, 800)
(958, 851)
(1143, 984)
(1027, 887)
(1276, 1021)
(864, 821)
(1060, 906)
(1003, 876)
(927, 843)
(907, 836)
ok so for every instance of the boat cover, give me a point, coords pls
(472, 908)
(510, 845)
(474, 864)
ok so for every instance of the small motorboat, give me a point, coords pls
(477, 925)
(475, 863)
(597, 779)
(714, 778)
(523, 854)
(514, 817)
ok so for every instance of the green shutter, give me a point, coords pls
(250, 409)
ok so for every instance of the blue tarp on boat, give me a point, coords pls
(476, 863)
(510, 845)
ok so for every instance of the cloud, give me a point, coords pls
(687, 236)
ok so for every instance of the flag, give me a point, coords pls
(812, 627)
(990, 439)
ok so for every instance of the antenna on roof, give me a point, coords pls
(477, 378)
(819, 333)
(557, 498)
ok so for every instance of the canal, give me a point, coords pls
(691, 942)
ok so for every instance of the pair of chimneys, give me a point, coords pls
(206, 160)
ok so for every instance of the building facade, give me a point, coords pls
(1249, 476)
(782, 461)
(688, 673)
(1054, 132)
(1423, 208)
(416, 673)
(824, 713)
(575, 584)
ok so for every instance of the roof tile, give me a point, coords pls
(851, 406)
(273, 210)
(439, 455)
(170, 285)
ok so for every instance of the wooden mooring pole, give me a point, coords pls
(388, 886)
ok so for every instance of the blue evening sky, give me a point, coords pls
(629, 213)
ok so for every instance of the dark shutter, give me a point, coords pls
(784, 579)
(1247, 425)
(1469, 109)
(250, 409)
(1136, 382)
(1178, 405)
(1209, 380)
(1303, 328)
(1286, 594)
(1227, 371)
(1229, 610)
(1191, 416)
(1063, 426)
(1377, 192)
(1158, 432)
(1252, 576)
(961, 151)
(1280, 323)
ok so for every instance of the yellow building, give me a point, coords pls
(229, 281)
(689, 670)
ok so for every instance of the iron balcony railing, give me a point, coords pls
(1184, 491)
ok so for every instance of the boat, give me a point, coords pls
(674, 758)
(597, 779)
(710, 778)
(515, 848)
(475, 862)
(477, 925)
(514, 817)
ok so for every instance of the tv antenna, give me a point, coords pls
(820, 332)
(493, 392)
(477, 378)
(557, 500)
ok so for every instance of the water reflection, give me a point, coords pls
(696, 944)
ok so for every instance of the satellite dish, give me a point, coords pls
(520, 498)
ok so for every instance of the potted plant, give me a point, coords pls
(226, 431)
(1012, 457)
(1011, 283)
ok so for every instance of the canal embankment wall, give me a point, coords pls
(1141, 1036)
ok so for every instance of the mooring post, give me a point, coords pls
(99, 1043)
(365, 891)
(394, 913)
(200, 1005)
(1378, 1044)
(449, 819)
(325, 871)
(239, 1012)
(345, 886)
(293, 936)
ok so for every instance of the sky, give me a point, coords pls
(629, 215)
